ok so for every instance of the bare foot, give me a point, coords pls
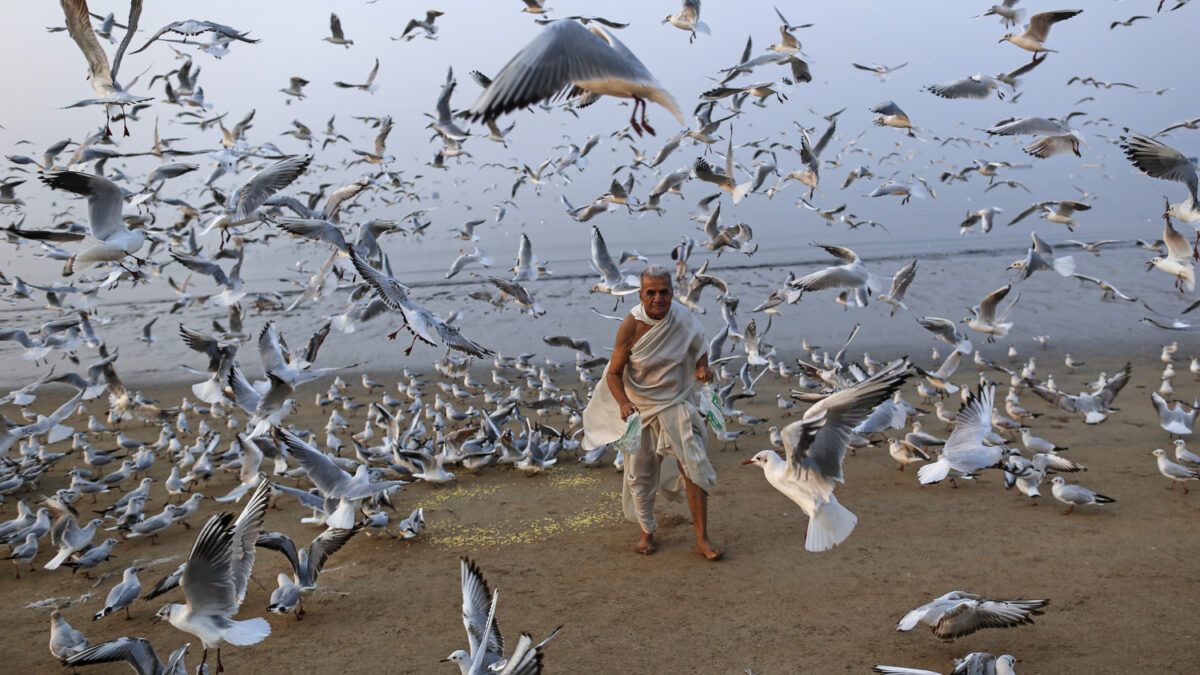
(645, 544)
(709, 551)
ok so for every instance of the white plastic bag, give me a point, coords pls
(710, 407)
(632, 437)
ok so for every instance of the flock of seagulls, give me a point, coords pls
(452, 415)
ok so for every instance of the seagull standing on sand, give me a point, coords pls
(1075, 495)
(1178, 473)
(567, 55)
(122, 595)
(65, 641)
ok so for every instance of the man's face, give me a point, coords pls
(655, 295)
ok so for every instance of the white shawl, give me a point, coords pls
(660, 373)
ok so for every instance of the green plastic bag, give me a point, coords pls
(632, 437)
(710, 407)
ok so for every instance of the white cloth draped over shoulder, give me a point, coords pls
(659, 379)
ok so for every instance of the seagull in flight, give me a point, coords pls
(214, 581)
(568, 56)
(1038, 30)
(101, 76)
(106, 202)
(815, 447)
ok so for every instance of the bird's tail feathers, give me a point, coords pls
(248, 632)
(210, 391)
(829, 526)
(1065, 266)
(934, 473)
(739, 192)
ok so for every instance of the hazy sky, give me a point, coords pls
(940, 41)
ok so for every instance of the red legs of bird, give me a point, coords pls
(633, 117)
(645, 124)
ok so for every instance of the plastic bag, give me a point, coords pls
(710, 407)
(632, 437)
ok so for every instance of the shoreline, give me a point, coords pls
(943, 287)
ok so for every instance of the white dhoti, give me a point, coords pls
(658, 379)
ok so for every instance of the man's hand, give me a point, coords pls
(704, 373)
(627, 409)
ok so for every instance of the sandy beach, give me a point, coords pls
(377, 189)
(557, 549)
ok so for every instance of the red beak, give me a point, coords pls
(749, 461)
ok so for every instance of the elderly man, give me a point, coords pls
(659, 350)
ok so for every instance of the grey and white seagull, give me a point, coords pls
(106, 202)
(959, 613)
(214, 581)
(420, 321)
(137, 652)
(101, 76)
(570, 58)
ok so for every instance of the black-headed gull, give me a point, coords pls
(959, 613)
(567, 55)
(985, 317)
(975, 663)
(486, 643)
(65, 641)
(100, 75)
(1075, 495)
(1177, 420)
(1178, 473)
(214, 581)
(815, 447)
(105, 204)
(306, 563)
(1038, 30)
(137, 652)
(964, 450)
(122, 595)
(1161, 161)
(1093, 405)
